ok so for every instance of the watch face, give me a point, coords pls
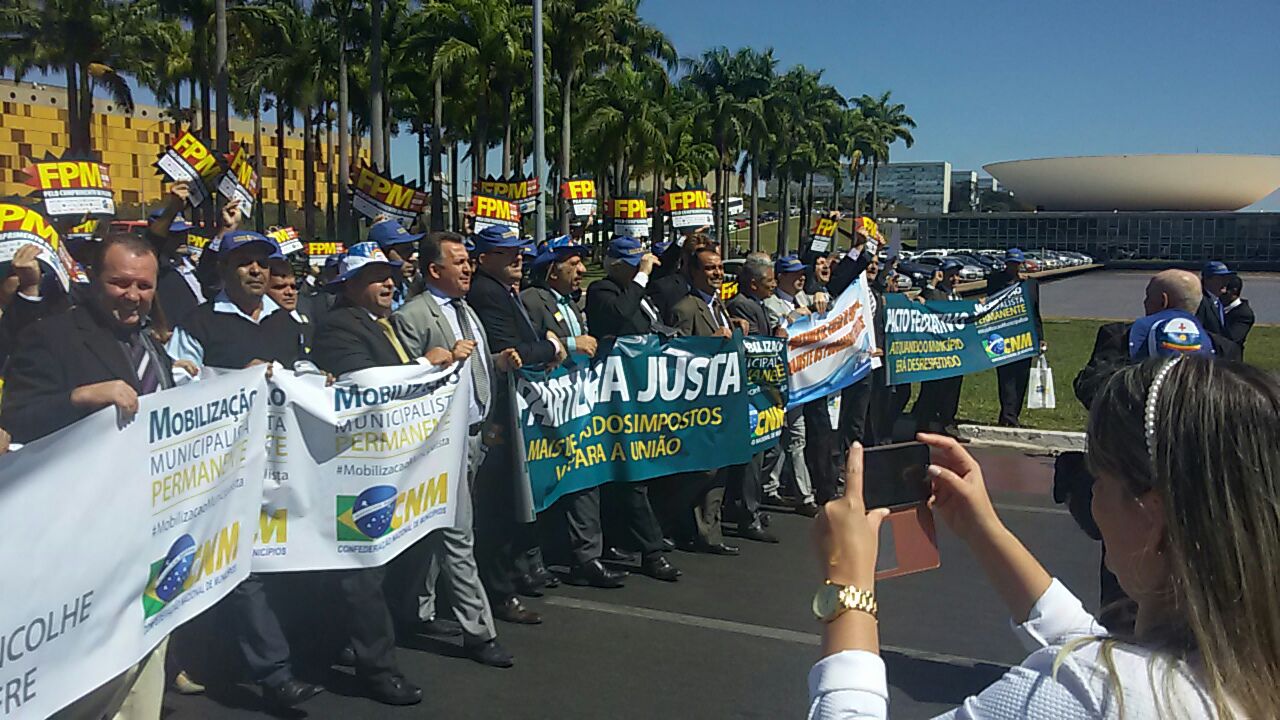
(826, 601)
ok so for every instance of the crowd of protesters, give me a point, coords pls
(157, 312)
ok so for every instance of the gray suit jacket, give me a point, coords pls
(546, 314)
(422, 325)
(751, 310)
(693, 317)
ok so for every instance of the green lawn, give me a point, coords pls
(1070, 342)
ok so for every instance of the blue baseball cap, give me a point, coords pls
(788, 264)
(355, 259)
(389, 233)
(951, 265)
(660, 247)
(176, 226)
(530, 249)
(232, 241)
(496, 237)
(1215, 268)
(627, 248)
(557, 249)
(1014, 255)
(1168, 333)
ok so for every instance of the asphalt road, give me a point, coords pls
(733, 639)
(1118, 295)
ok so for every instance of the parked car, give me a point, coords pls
(920, 274)
(933, 252)
(904, 281)
(968, 271)
(1045, 260)
(988, 264)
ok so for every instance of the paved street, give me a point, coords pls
(1118, 295)
(733, 639)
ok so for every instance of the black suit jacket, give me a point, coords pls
(666, 291)
(750, 309)
(504, 323)
(846, 271)
(1207, 314)
(547, 315)
(614, 310)
(57, 355)
(1240, 321)
(350, 340)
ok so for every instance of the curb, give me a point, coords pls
(1048, 442)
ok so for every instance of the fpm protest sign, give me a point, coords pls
(581, 195)
(630, 217)
(688, 208)
(494, 212)
(190, 161)
(373, 194)
(72, 188)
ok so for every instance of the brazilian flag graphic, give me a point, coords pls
(170, 576)
(367, 516)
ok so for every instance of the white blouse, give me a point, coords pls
(851, 684)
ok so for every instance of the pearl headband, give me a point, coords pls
(1149, 413)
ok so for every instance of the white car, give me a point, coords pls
(933, 252)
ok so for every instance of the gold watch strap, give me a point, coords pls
(852, 598)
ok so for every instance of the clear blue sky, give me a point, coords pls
(991, 80)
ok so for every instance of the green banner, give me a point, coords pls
(946, 338)
(648, 408)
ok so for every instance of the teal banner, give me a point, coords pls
(945, 338)
(645, 409)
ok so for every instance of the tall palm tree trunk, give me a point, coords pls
(259, 214)
(755, 209)
(437, 189)
(421, 132)
(330, 207)
(857, 181)
(280, 171)
(875, 186)
(344, 139)
(308, 173)
(506, 135)
(220, 74)
(73, 108)
(86, 109)
(784, 217)
(376, 146)
(455, 223)
(566, 138)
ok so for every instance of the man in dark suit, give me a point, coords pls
(745, 483)
(505, 537)
(1210, 314)
(358, 335)
(98, 354)
(617, 306)
(935, 409)
(555, 277)
(676, 285)
(1011, 378)
(440, 326)
(696, 500)
(1237, 313)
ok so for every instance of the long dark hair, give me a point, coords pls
(1216, 466)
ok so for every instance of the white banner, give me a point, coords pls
(829, 352)
(359, 471)
(118, 536)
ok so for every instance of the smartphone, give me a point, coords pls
(896, 476)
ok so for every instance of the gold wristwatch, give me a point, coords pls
(831, 601)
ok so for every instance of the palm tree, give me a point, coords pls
(889, 123)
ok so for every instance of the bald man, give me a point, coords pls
(1167, 290)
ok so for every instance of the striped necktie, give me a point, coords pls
(479, 371)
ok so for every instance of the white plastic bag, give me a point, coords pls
(1040, 394)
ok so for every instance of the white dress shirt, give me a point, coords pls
(851, 684)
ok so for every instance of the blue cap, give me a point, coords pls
(951, 265)
(496, 237)
(625, 247)
(389, 233)
(660, 247)
(232, 241)
(788, 264)
(176, 226)
(469, 243)
(1215, 268)
(1014, 255)
(530, 249)
(358, 257)
(1168, 333)
(557, 249)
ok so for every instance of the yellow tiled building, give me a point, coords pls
(34, 122)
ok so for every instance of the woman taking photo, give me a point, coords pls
(1186, 452)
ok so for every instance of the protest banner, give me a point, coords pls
(74, 188)
(523, 193)
(581, 195)
(946, 338)
(21, 226)
(288, 240)
(494, 212)
(319, 252)
(361, 470)
(822, 235)
(646, 409)
(768, 381)
(827, 353)
(373, 194)
(630, 217)
(189, 160)
(127, 533)
(240, 181)
(688, 209)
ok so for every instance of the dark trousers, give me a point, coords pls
(855, 412)
(742, 489)
(822, 445)
(368, 621)
(887, 402)
(499, 538)
(938, 402)
(689, 504)
(257, 632)
(572, 523)
(629, 521)
(1012, 380)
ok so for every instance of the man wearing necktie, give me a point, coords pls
(505, 536)
(695, 508)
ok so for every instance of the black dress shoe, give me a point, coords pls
(657, 567)
(490, 653)
(765, 519)
(712, 549)
(514, 611)
(289, 693)
(594, 574)
(776, 500)
(668, 544)
(544, 577)
(755, 531)
(346, 657)
(435, 627)
(807, 509)
(393, 690)
(528, 586)
(613, 554)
